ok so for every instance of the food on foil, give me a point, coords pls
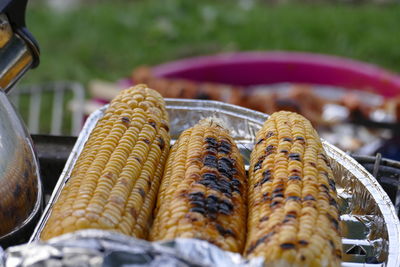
(293, 214)
(203, 191)
(115, 180)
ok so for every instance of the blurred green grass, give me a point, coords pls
(108, 39)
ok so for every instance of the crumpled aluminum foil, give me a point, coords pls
(102, 248)
(371, 229)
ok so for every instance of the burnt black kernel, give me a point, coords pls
(294, 156)
(302, 257)
(147, 141)
(274, 195)
(309, 197)
(17, 191)
(287, 139)
(295, 198)
(210, 161)
(256, 184)
(303, 242)
(161, 143)
(291, 215)
(294, 177)
(288, 246)
(277, 190)
(211, 141)
(197, 203)
(260, 141)
(212, 207)
(153, 124)
(274, 203)
(265, 218)
(258, 165)
(269, 149)
(141, 192)
(259, 241)
(209, 176)
(266, 176)
(331, 243)
(125, 120)
(197, 194)
(332, 184)
(236, 182)
(299, 138)
(265, 197)
(284, 151)
(270, 134)
(226, 203)
(198, 210)
(225, 167)
(211, 150)
(333, 202)
(313, 164)
(212, 198)
(225, 147)
(223, 231)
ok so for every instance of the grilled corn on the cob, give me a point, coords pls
(293, 213)
(115, 180)
(203, 191)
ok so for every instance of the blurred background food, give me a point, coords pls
(96, 44)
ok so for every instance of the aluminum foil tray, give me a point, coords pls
(371, 229)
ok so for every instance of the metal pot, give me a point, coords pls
(20, 186)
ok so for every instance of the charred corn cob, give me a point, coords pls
(293, 212)
(115, 180)
(203, 191)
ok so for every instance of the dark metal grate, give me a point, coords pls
(387, 172)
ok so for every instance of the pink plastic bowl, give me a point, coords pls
(252, 68)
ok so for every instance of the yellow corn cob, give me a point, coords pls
(293, 213)
(203, 191)
(115, 180)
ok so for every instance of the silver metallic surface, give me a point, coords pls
(15, 56)
(20, 187)
(371, 229)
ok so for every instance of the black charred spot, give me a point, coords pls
(200, 210)
(278, 190)
(332, 184)
(294, 198)
(209, 176)
(210, 161)
(300, 138)
(266, 176)
(212, 207)
(270, 134)
(147, 141)
(196, 194)
(212, 198)
(260, 141)
(161, 143)
(126, 120)
(333, 202)
(331, 243)
(309, 197)
(225, 147)
(224, 232)
(274, 195)
(302, 258)
(291, 216)
(313, 164)
(265, 197)
(138, 159)
(226, 167)
(287, 139)
(325, 187)
(274, 203)
(294, 156)
(259, 242)
(258, 165)
(265, 218)
(288, 246)
(303, 242)
(197, 203)
(294, 177)
(211, 141)
(284, 151)
(202, 96)
(153, 124)
(269, 150)
(141, 192)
